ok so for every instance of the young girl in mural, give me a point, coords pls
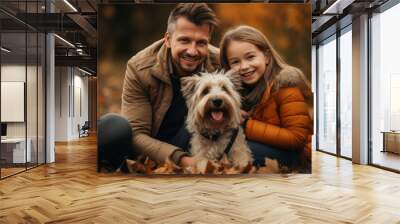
(277, 99)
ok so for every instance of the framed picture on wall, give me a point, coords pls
(220, 88)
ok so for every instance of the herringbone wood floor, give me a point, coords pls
(71, 191)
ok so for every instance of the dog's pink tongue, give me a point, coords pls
(217, 115)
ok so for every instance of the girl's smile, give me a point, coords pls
(248, 60)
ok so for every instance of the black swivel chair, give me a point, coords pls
(84, 130)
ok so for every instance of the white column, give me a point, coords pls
(50, 93)
(360, 89)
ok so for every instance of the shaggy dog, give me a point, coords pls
(214, 118)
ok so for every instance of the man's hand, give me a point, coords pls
(187, 161)
(245, 115)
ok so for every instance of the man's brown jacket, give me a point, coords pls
(147, 95)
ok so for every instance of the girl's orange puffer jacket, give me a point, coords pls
(282, 120)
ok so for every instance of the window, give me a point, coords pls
(385, 86)
(346, 93)
(327, 96)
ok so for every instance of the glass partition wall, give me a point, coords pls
(22, 87)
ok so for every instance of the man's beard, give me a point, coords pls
(185, 56)
(185, 72)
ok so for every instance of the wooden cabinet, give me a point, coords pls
(391, 141)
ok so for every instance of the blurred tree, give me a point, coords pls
(126, 29)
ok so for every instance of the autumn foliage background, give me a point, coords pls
(126, 29)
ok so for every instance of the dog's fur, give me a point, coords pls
(205, 117)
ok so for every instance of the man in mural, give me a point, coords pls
(152, 100)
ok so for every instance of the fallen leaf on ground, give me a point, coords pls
(224, 166)
(271, 166)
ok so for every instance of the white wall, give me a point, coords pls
(71, 94)
(61, 103)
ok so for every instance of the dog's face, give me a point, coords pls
(213, 101)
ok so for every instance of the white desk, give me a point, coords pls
(17, 146)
